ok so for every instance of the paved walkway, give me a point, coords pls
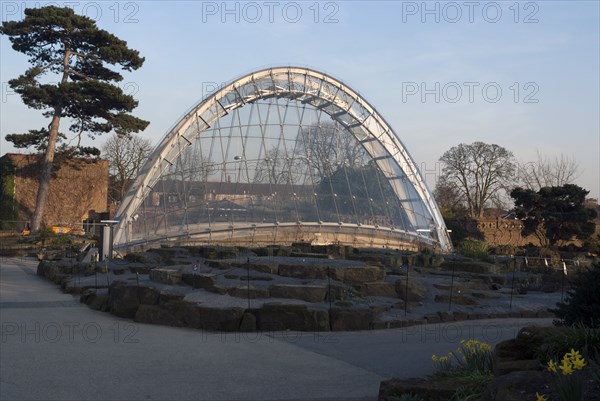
(53, 348)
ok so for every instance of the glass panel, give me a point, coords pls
(281, 158)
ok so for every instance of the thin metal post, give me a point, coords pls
(406, 293)
(329, 286)
(137, 278)
(512, 287)
(451, 286)
(562, 283)
(106, 272)
(248, 280)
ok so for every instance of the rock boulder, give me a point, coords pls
(308, 293)
(415, 291)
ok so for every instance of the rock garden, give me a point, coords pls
(303, 287)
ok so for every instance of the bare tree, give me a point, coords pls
(193, 166)
(479, 171)
(547, 172)
(448, 197)
(125, 155)
(275, 168)
(328, 145)
(189, 174)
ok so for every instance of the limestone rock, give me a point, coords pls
(221, 319)
(358, 274)
(463, 286)
(446, 316)
(277, 317)
(86, 295)
(140, 268)
(476, 316)
(351, 319)
(243, 291)
(143, 258)
(166, 276)
(484, 295)
(457, 299)
(470, 266)
(409, 259)
(447, 286)
(415, 292)
(272, 268)
(52, 271)
(96, 299)
(125, 298)
(433, 318)
(248, 322)
(377, 289)
(337, 292)
(167, 296)
(312, 271)
(198, 280)
(308, 293)
(297, 254)
(99, 301)
(522, 348)
(459, 316)
(219, 289)
(220, 264)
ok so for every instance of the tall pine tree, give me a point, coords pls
(60, 43)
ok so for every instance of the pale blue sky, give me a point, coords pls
(387, 51)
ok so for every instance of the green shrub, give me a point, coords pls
(592, 244)
(474, 250)
(582, 304)
(561, 340)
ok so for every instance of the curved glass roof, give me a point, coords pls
(281, 155)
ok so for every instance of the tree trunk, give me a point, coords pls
(46, 174)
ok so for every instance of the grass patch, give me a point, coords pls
(474, 250)
(562, 339)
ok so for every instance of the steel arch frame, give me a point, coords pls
(322, 91)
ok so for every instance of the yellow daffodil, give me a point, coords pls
(573, 354)
(434, 358)
(551, 366)
(565, 367)
(539, 397)
(579, 363)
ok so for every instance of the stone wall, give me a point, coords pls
(501, 231)
(77, 186)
